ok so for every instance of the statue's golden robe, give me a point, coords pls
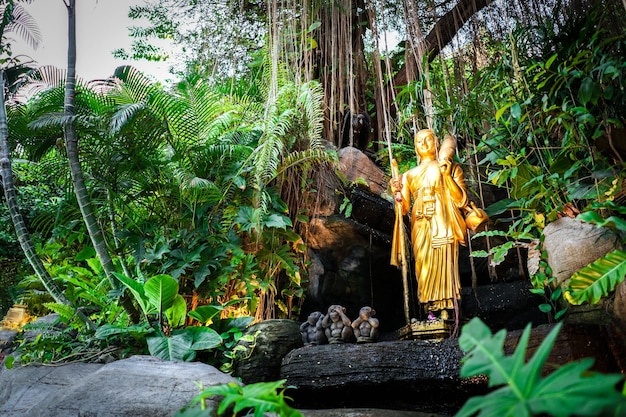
(437, 228)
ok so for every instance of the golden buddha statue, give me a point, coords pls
(434, 193)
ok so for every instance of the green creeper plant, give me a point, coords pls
(256, 399)
(544, 284)
(555, 112)
(519, 388)
(235, 344)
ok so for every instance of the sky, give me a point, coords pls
(101, 27)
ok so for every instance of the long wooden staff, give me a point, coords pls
(398, 242)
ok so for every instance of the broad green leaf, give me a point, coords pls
(161, 291)
(501, 110)
(482, 351)
(597, 279)
(137, 290)
(560, 314)
(595, 218)
(278, 221)
(205, 313)
(231, 324)
(561, 164)
(526, 183)
(500, 207)
(261, 397)
(571, 390)
(532, 371)
(177, 347)
(314, 26)
(516, 111)
(550, 61)
(87, 253)
(496, 404)
(545, 308)
(204, 338)
(177, 313)
(248, 218)
(9, 361)
(574, 390)
(586, 90)
(136, 330)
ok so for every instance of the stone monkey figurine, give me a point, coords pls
(312, 331)
(337, 325)
(366, 326)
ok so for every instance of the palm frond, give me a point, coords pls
(43, 79)
(134, 83)
(51, 120)
(124, 114)
(267, 155)
(21, 23)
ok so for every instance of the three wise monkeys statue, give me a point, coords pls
(358, 126)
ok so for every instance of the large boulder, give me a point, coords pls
(358, 167)
(141, 386)
(273, 340)
(572, 244)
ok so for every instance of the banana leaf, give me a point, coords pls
(597, 279)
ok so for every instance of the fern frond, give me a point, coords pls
(306, 159)
(64, 311)
(311, 99)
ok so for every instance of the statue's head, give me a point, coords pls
(426, 143)
(314, 317)
(333, 311)
(367, 312)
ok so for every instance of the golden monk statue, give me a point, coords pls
(434, 193)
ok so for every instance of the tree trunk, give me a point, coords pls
(443, 32)
(18, 222)
(78, 179)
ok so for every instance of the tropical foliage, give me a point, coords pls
(256, 399)
(520, 389)
(190, 201)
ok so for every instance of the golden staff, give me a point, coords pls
(398, 242)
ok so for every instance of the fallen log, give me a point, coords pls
(419, 375)
(411, 375)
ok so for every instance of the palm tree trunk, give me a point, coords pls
(78, 179)
(18, 222)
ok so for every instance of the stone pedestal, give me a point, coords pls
(425, 330)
